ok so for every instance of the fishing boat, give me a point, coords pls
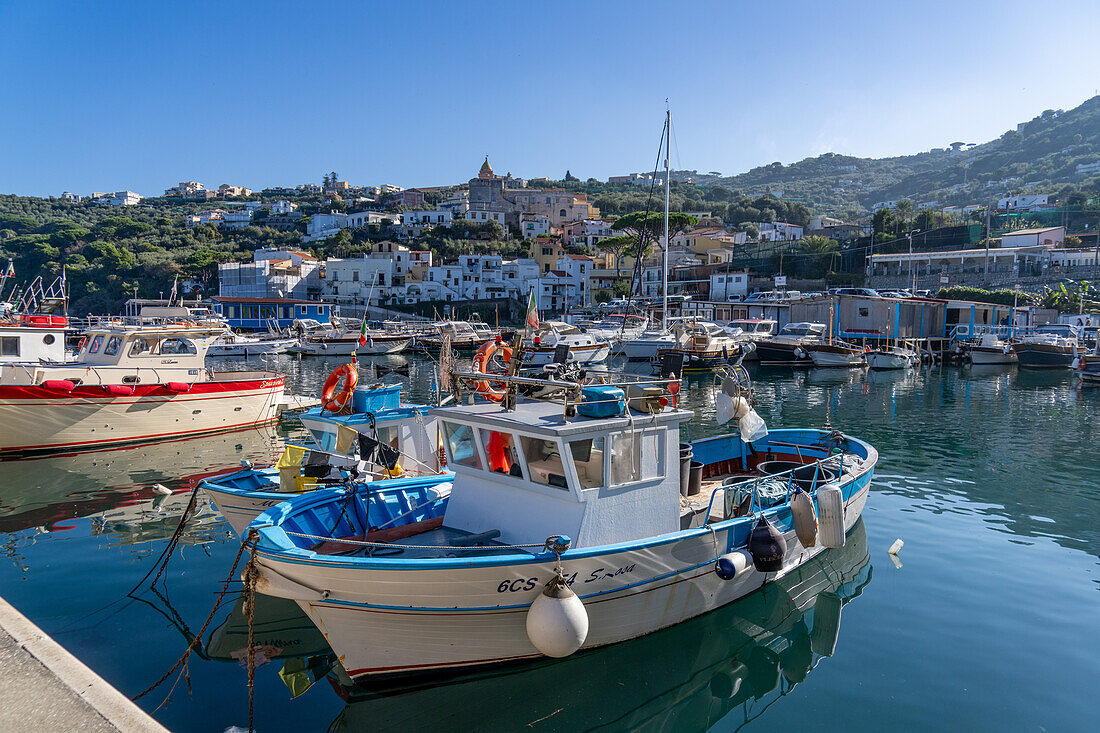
(345, 341)
(831, 353)
(1050, 347)
(376, 436)
(700, 347)
(130, 383)
(990, 350)
(892, 357)
(786, 349)
(564, 529)
(558, 342)
(235, 344)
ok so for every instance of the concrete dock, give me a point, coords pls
(46, 688)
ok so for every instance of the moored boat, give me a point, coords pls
(344, 342)
(700, 347)
(1050, 347)
(558, 342)
(784, 349)
(235, 344)
(892, 357)
(835, 354)
(990, 350)
(130, 383)
(539, 548)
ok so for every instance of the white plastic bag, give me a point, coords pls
(752, 427)
(723, 408)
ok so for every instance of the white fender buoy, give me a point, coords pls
(161, 489)
(557, 622)
(830, 515)
(733, 564)
(826, 628)
(799, 353)
(805, 518)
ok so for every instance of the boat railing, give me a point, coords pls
(566, 391)
(735, 481)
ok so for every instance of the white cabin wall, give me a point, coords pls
(481, 501)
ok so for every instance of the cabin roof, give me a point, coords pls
(544, 418)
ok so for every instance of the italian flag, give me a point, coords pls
(532, 312)
(363, 331)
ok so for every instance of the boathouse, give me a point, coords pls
(256, 314)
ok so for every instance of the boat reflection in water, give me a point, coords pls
(117, 484)
(686, 677)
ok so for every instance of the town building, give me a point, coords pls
(576, 268)
(490, 192)
(410, 198)
(238, 219)
(283, 222)
(481, 217)
(362, 218)
(323, 226)
(68, 196)
(729, 285)
(586, 233)
(415, 223)
(779, 231)
(227, 190)
(258, 314)
(534, 225)
(205, 216)
(118, 198)
(1048, 237)
(282, 206)
(273, 273)
(545, 250)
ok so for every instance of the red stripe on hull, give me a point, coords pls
(217, 389)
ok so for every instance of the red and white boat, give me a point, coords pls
(130, 383)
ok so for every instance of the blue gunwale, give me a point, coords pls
(275, 545)
(215, 485)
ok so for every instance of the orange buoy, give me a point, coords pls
(482, 358)
(332, 400)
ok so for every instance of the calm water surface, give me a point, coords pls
(990, 478)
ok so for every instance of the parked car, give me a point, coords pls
(868, 292)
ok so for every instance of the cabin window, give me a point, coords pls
(389, 435)
(113, 345)
(93, 347)
(636, 456)
(9, 346)
(142, 346)
(48, 339)
(588, 460)
(460, 443)
(177, 346)
(544, 464)
(500, 452)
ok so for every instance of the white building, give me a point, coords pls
(237, 219)
(551, 293)
(389, 188)
(891, 205)
(575, 270)
(776, 231)
(68, 196)
(532, 225)
(323, 226)
(283, 206)
(273, 273)
(1023, 202)
(362, 218)
(415, 223)
(118, 198)
(1049, 237)
(351, 282)
(587, 232)
(485, 216)
(729, 285)
(458, 203)
(206, 216)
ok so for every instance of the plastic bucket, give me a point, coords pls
(686, 455)
(695, 481)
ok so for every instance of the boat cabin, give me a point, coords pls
(752, 327)
(813, 330)
(530, 474)
(116, 352)
(31, 338)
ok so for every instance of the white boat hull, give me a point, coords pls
(830, 359)
(392, 622)
(984, 355)
(37, 419)
(644, 349)
(240, 510)
(345, 347)
(889, 361)
(255, 348)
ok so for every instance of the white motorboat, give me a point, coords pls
(235, 344)
(343, 342)
(130, 383)
(990, 349)
(556, 341)
(892, 357)
(540, 547)
(835, 354)
(788, 348)
(647, 344)
(464, 336)
(751, 330)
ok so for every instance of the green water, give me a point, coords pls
(990, 623)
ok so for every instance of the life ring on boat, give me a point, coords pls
(80, 346)
(482, 357)
(332, 400)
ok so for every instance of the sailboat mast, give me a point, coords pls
(664, 252)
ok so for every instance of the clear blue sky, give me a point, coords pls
(107, 96)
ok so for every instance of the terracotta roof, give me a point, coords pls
(580, 257)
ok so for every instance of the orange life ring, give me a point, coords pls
(332, 400)
(482, 358)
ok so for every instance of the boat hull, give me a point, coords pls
(644, 349)
(700, 362)
(252, 349)
(345, 347)
(1043, 356)
(986, 355)
(36, 419)
(391, 622)
(781, 354)
(888, 361)
(837, 359)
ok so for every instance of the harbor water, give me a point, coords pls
(986, 621)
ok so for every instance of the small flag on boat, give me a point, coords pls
(363, 330)
(532, 312)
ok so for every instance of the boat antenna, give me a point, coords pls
(668, 186)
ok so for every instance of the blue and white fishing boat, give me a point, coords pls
(566, 528)
(376, 437)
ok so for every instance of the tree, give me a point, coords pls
(623, 245)
(654, 223)
(926, 219)
(750, 228)
(881, 221)
(569, 177)
(904, 211)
